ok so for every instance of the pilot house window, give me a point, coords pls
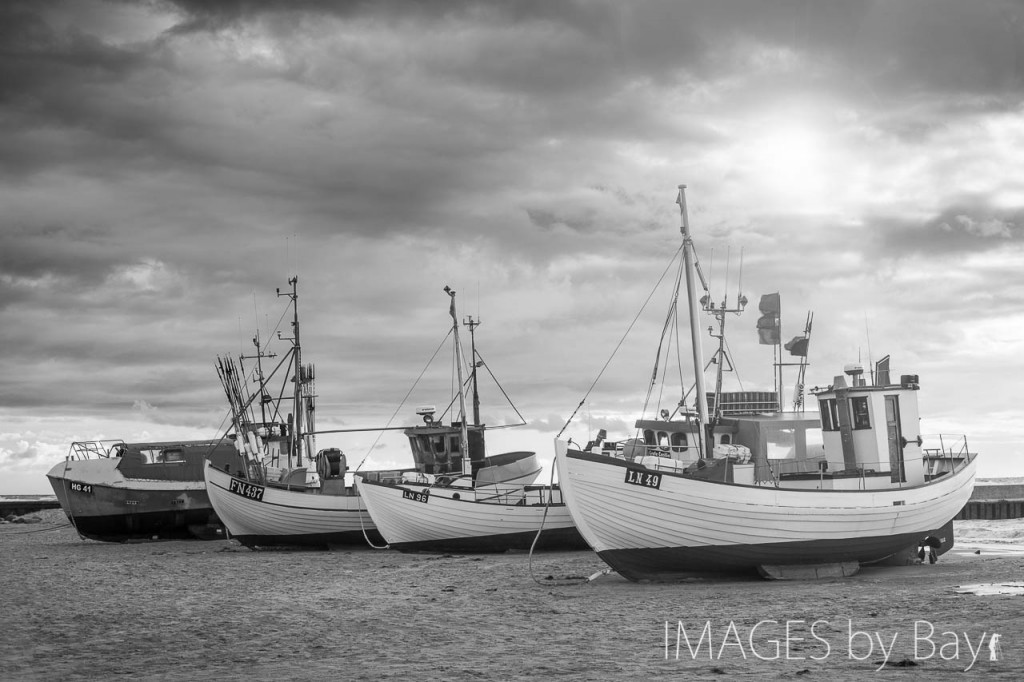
(859, 408)
(829, 415)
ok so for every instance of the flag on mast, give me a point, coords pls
(768, 325)
(798, 346)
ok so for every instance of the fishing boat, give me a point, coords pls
(116, 491)
(490, 504)
(287, 494)
(732, 484)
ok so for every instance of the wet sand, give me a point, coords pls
(79, 609)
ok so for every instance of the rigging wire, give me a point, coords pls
(671, 316)
(621, 341)
(518, 414)
(362, 525)
(402, 404)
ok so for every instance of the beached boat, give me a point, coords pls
(284, 495)
(699, 491)
(490, 505)
(116, 491)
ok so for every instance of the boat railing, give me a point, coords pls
(520, 495)
(949, 456)
(635, 450)
(92, 449)
(809, 465)
(745, 402)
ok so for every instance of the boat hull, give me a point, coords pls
(289, 518)
(439, 522)
(685, 525)
(103, 505)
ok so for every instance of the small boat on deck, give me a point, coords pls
(698, 491)
(488, 505)
(116, 491)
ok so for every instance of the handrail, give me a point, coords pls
(953, 449)
(92, 449)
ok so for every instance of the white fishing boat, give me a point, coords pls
(116, 491)
(284, 495)
(699, 491)
(489, 506)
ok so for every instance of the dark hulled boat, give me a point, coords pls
(115, 491)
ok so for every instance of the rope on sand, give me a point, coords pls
(41, 530)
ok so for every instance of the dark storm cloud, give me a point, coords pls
(965, 229)
(59, 92)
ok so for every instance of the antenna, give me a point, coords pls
(721, 358)
(867, 335)
(739, 282)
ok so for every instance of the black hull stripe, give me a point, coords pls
(550, 540)
(163, 525)
(660, 564)
(312, 540)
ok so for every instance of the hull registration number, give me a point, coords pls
(413, 495)
(248, 490)
(84, 488)
(644, 479)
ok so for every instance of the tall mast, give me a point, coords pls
(467, 468)
(473, 324)
(296, 426)
(694, 307)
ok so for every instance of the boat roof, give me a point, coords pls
(807, 419)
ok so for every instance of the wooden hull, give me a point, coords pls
(444, 523)
(287, 518)
(104, 505)
(689, 526)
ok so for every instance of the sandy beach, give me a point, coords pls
(78, 609)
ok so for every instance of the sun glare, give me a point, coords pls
(789, 164)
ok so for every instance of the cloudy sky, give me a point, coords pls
(165, 166)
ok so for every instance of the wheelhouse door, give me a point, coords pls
(892, 422)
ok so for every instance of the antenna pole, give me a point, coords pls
(467, 468)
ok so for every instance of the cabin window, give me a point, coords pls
(172, 455)
(725, 439)
(649, 437)
(678, 441)
(453, 443)
(438, 444)
(859, 408)
(662, 440)
(829, 415)
(155, 456)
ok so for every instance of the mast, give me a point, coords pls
(473, 324)
(467, 468)
(296, 436)
(694, 307)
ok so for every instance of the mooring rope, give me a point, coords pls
(568, 580)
